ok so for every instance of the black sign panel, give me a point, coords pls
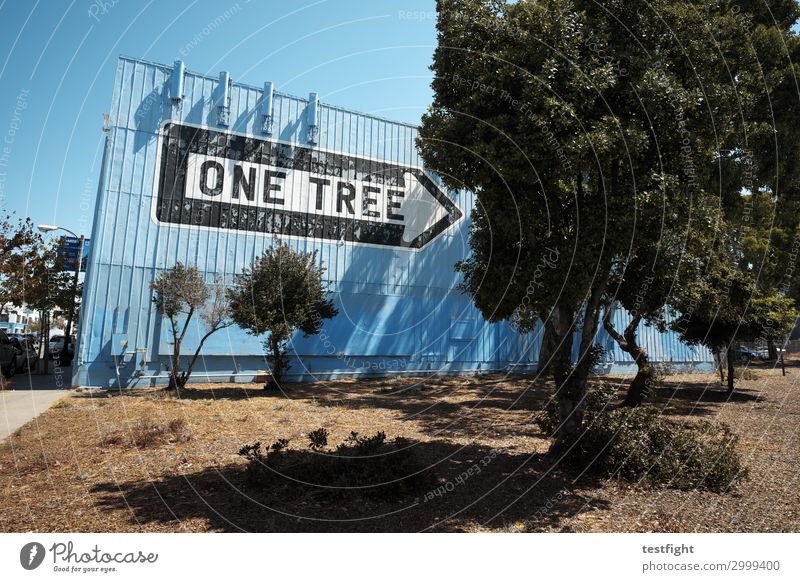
(217, 179)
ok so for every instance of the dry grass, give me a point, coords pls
(146, 433)
(143, 461)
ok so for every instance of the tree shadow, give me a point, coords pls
(700, 398)
(458, 406)
(472, 486)
(220, 392)
(449, 406)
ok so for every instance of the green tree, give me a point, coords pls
(578, 124)
(282, 292)
(47, 288)
(728, 303)
(770, 248)
(180, 294)
(652, 276)
(19, 245)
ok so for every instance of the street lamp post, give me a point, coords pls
(79, 259)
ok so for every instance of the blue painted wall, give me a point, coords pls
(399, 311)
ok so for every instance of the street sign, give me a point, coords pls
(220, 180)
(68, 249)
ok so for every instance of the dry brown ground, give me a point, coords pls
(71, 469)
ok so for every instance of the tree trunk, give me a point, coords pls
(561, 321)
(46, 342)
(571, 386)
(548, 347)
(720, 364)
(642, 383)
(185, 375)
(729, 357)
(277, 367)
(175, 371)
(772, 350)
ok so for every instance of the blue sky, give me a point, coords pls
(57, 62)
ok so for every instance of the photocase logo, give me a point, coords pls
(31, 555)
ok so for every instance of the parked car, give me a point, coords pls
(33, 340)
(56, 347)
(27, 355)
(748, 354)
(26, 337)
(8, 355)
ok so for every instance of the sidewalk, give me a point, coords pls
(52, 381)
(29, 396)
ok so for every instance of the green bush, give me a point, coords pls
(598, 397)
(639, 444)
(365, 466)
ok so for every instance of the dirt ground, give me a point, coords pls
(75, 468)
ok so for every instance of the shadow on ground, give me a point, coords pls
(700, 398)
(501, 488)
(461, 405)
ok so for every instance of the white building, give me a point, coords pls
(17, 319)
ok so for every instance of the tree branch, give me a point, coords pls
(186, 323)
(200, 347)
(609, 327)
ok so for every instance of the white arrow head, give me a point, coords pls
(420, 208)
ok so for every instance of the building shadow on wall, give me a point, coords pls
(393, 303)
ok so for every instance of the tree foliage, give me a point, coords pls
(282, 292)
(180, 294)
(604, 134)
(20, 247)
(32, 274)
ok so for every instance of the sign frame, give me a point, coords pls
(69, 252)
(454, 213)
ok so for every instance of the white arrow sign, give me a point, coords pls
(299, 191)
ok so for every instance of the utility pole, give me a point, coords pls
(73, 310)
(78, 260)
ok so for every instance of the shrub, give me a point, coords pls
(662, 370)
(744, 374)
(598, 397)
(318, 439)
(145, 434)
(638, 443)
(547, 418)
(365, 466)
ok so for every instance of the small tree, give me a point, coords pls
(47, 288)
(179, 294)
(282, 291)
(644, 281)
(726, 306)
(20, 245)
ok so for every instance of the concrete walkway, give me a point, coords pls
(29, 396)
(17, 407)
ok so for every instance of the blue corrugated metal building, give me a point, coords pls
(207, 171)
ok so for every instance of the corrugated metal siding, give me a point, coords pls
(661, 347)
(395, 305)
